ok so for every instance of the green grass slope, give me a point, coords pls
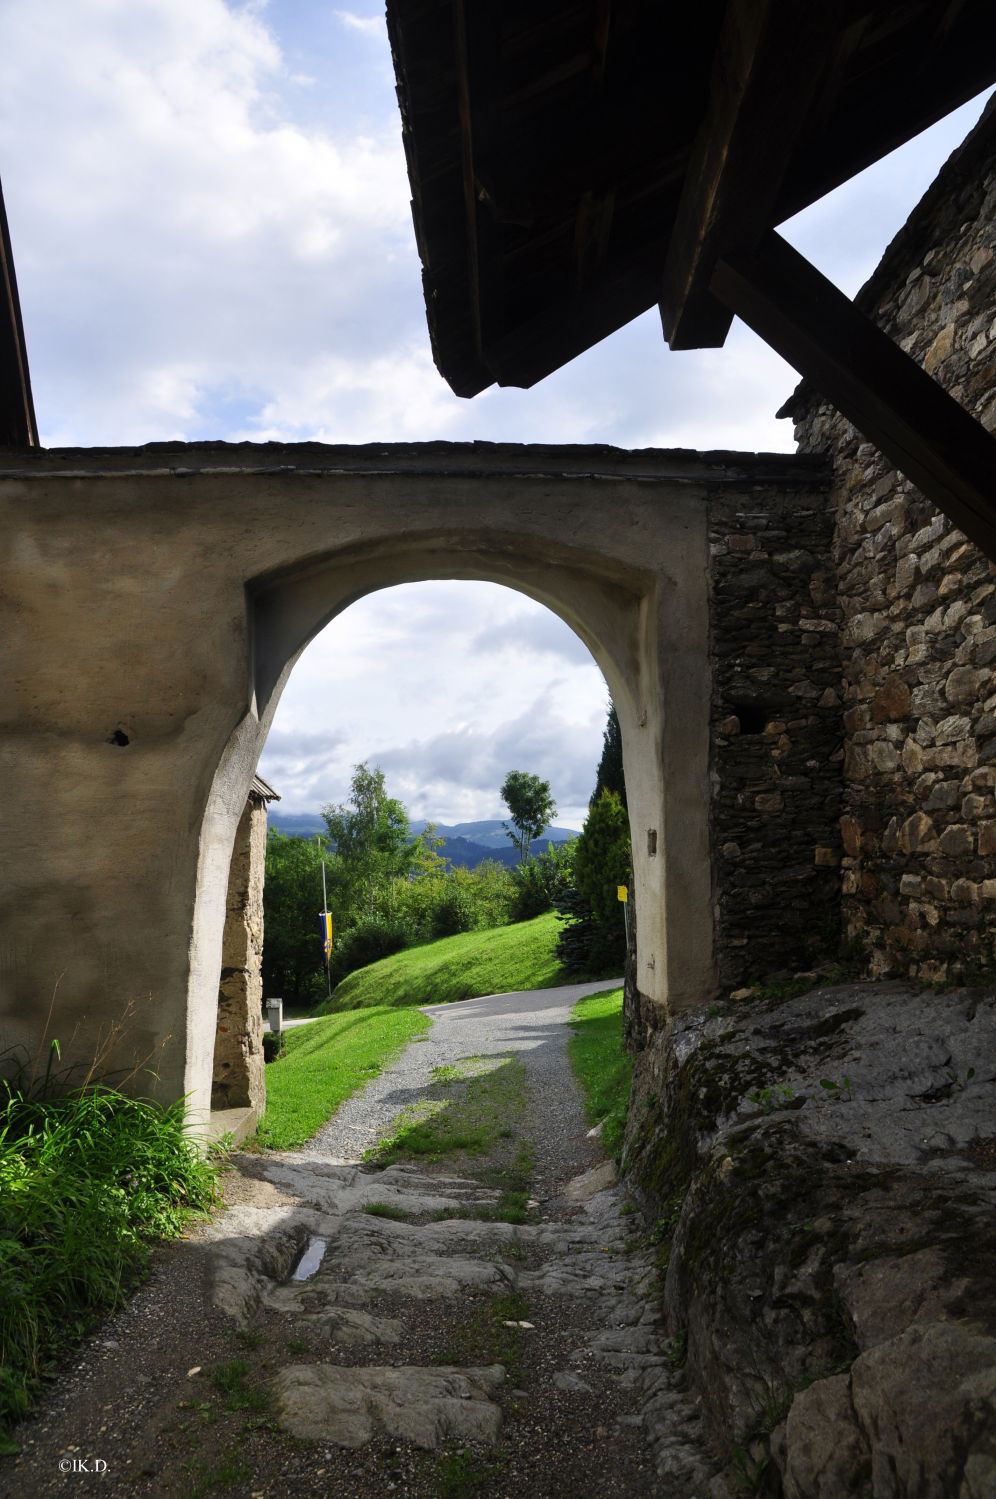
(324, 1064)
(497, 961)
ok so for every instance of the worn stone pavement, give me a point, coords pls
(364, 1378)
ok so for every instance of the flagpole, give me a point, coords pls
(325, 907)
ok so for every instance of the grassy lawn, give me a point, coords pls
(470, 1119)
(324, 1064)
(497, 961)
(602, 1066)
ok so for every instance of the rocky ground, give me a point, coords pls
(821, 1166)
(474, 1312)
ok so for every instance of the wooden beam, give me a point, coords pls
(770, 60)
(18, 428)
(885, 393)
(877, 113)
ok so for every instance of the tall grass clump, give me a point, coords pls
(90, 1179)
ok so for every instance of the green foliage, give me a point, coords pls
(292, 898)
(370, 835)
(595, 939)
(240, 1394)
(325, 1063)
(540, 881)
(488, 1333)
(369, 940)
(444, 902)
(530, 807)
(497, 961)
(386, 1210)
(603, 1068)
(770, 1099)
(88, 1182)
(610, 775)
(273, 1046)
(462, 1474)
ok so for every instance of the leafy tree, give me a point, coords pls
(610, 775)
(293, 966)
(530, 806)
(370, 833)
(541, 879)
(595, 938)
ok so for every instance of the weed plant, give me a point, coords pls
(90, 1179)
(603, 1068)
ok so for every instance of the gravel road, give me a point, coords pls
(531, 1023)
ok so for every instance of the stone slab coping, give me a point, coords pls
(239, 1123)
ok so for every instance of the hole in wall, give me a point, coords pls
(753, 717)
(120, 738)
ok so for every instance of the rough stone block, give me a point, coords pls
(957, 841)
(962, 686)
(917, 834)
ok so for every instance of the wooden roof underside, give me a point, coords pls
(572, 164)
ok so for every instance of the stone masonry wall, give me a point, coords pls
(238, 1080)
(919, 612)
(776, 760)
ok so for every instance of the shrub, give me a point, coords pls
(540, 880)
(377, 937)
(443, 903)
(578, 934)
(594, 939)
(88, 1182)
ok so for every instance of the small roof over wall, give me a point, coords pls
(262, 790)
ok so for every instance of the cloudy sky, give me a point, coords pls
(210, 220)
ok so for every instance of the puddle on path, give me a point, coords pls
(310, 1259)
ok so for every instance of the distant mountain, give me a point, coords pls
(492, 833)
(297, 824)
(468, 855)
(465, 843)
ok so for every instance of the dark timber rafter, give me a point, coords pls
(877, 386)
(17, 413)
(776, 69)
(767, 70)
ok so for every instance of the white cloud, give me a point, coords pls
(341, 399)
(209, 246)
(178, 235)
(366, 25)
(400, 679)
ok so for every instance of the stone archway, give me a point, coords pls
(158, 598)
(615, 608)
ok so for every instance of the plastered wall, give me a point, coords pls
(154, 602)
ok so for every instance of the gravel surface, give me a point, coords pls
(193, 1389)
(532, 1023)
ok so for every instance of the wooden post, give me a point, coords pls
(878, 387)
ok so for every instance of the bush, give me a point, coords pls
(578, 935)
(365, 943)
(449, 901)
(88, 1182)
(595, 938)
(540, 881)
